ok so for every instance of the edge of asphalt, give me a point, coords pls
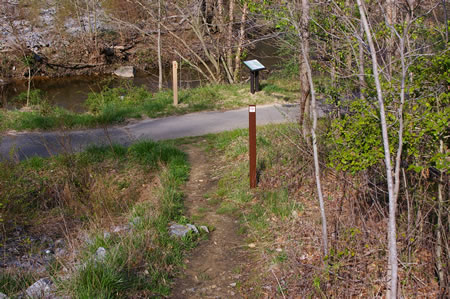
(22, 145)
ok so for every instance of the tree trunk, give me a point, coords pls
(29, 86)
(445, 20)
(439, 267)
(361, 75)
(304, 85)
(391, 13)
(220, 15)
(309, 81)
(316, 151)
(229, 51)
(237, 62)
(392, 245)
(160, 71)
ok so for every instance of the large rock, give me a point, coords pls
(180, 230)
(40, 289)
(125, 72)
(3, 296)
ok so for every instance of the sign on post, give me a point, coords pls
(175, 82)
(254, 66)
(252, 144)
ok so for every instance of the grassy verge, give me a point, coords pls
(280, 222)
(137, 187)
(261, 211)
(116, 105)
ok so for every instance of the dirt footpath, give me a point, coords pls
(213, 269)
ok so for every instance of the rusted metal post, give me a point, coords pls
(175, 82)
(252, 143)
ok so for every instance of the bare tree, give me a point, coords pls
(392, 244)
(160, 70)
(305, 88)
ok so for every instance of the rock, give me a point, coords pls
(118, 229)
(180, 230)
(204, 228)
(232, 284)
(106, 235)
(125, 72)
(100, 254)
(40, 288)
(193, 227)
(252, 245)
(3, 296)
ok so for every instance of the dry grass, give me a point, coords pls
(288, 250)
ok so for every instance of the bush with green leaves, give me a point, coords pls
(355, 139)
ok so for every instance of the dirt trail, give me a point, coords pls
(213, 269)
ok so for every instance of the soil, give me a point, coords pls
(214, 268)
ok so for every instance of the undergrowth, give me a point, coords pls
(94, 189)
(280, 222)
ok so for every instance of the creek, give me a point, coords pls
(72, 91)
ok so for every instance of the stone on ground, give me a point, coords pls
(125, 72)
(40, 288)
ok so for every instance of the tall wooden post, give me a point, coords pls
(252, 144)
(175, 82)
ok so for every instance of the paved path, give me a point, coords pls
(44, 144)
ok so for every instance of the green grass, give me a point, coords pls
(141, 261)
(14, 282)
(116, 105)
(233, 192)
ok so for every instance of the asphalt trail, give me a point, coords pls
(24, 145)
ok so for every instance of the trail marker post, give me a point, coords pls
(252, 143)
(254, 66)
(175, 82)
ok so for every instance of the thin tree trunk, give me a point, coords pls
(440, 270)
(304, 85)
(445, 20)
(391, 12)
(392, 264)
(316, 152)
(230, 37)
(160, 71)
(308, 73)
(29, 86)
(237, 62)
(361, 75)
(220, 15)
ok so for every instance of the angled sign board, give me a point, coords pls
(254, 65)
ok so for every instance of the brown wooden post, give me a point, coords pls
(175, 82)
(252, 144)
(252, 82)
